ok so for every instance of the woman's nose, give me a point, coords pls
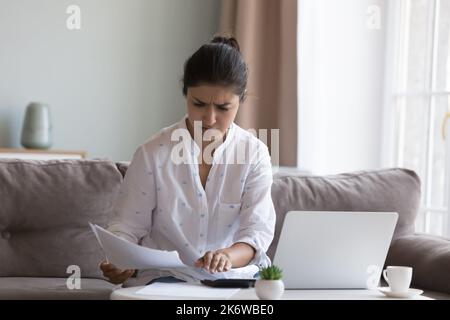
(209, 117)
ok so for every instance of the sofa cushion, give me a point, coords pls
(53, 288)
(44, 212)
(429, 256)
(394, 190)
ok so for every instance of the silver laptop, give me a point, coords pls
(334, 250)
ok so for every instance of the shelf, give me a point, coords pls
(39, 154)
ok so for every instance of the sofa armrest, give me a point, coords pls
(428, 255)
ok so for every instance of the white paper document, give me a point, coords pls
(187, 290)
(127, 255)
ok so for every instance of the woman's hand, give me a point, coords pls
(215, 261)
(115, 275)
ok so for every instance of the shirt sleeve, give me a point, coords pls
(136, 200)
(257, 216)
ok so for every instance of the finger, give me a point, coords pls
(199, 263)
(228, 266)
(113, 273)
(122, 276)
(107, 266)
(103, 265)
(214, 262)
(117, 280)
(222, 264)
(111, 268)
(127, 273)
(207, 260)
(114, 280)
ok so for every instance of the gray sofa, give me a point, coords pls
(45, 207)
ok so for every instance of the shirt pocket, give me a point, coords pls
(227, 220)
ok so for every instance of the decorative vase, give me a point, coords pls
(269, 289)
(36, 130)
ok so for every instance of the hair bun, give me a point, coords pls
(231, 41)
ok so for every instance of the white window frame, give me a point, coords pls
(395, 79)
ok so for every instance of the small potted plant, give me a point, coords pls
(270, 286)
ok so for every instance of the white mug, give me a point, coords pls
(398, 278)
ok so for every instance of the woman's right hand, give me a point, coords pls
(114, 274)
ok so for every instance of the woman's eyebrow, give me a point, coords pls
(198, 100)
(217, 105)
(222, 105)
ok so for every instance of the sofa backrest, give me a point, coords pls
(392, 190)
(45, 207)
(386, 190)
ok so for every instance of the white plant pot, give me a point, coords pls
(269, 289)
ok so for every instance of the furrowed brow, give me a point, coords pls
(199, 101)
(222, 105)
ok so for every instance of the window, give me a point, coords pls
(418, 99)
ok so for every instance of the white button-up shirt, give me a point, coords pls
(162, 203)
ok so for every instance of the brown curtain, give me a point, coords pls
(267, 33)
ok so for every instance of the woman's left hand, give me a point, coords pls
(215, 261)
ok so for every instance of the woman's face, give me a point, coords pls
(215, 106)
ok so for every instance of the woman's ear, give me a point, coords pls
(243, 96)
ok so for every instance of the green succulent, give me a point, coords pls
(271, 273)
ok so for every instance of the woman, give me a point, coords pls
(197, 196)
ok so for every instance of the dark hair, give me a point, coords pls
(218, 62)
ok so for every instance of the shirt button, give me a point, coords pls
(203, 215)
(201, 235)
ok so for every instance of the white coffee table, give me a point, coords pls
(249, 294)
